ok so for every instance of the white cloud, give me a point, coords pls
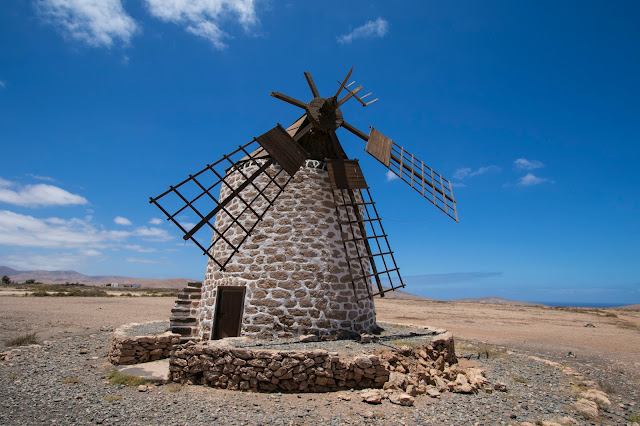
(524, 164)
(467, 172)
(98, 23)
(530, 179)
(27, 231)
(138, 260)
(39, 195)
(204, 17)
(2, 84)
(119, 220)
(154, 234)
(44, 261)
(391, 176)
(155, 221)
(372, 29)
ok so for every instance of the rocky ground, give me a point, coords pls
(64, 380)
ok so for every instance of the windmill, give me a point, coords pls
(294, 241)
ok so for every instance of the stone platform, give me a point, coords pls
(419, 360)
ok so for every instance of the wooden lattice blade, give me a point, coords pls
(415, 173)
(240, 187)
(366, 246)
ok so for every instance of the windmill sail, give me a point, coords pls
(369, 256)
(248, 177)
(412, 171)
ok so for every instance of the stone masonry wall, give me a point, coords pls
(293, 265)
(136, 349)
(423, 367)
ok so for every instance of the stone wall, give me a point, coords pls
(293, 265)
(136, 349)
(222, 365)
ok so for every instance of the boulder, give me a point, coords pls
(402, 398)
(372, 396)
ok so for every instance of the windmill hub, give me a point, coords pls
(324, 114)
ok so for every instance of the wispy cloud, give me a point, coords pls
(530, 179)
(391, 176)
(524, 164)
(152, 234)
(204, 18)
(38, 177)
(98, 23)
(2, 84)
(138, 260)
(119, 220)
(155, 221)
(139, 248)
(40, 195)
(371, 29)
(467, 172)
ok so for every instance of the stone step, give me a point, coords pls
(182, 308)
(182, 330)
(181, 320)
(191, 290)
(194, 284)
(183, 302)
(187, 296)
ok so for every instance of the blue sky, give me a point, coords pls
(531, 109)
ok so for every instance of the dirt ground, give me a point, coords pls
(612, 341)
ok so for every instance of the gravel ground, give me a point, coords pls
(64, 381)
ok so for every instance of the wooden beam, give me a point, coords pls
(289, 99)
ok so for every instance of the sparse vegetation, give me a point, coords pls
(70, 381)
(6, 280)
(634, 418)
(64, 290)
(25, 339)
(481, 349)
(117, 378)
(112, 398)
(174, 387)
(520, 379)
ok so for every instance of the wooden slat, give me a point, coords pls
(283, 149)
(345, 174)
(379, 146)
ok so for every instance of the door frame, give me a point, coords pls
(227, 288)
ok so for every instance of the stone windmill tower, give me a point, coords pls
(297, 246)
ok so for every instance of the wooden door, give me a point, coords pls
(229, 310)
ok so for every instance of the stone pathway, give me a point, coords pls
(65, 382)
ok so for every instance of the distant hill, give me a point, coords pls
(629, 307)
(402, 295)
(61, 277)
(496, 301)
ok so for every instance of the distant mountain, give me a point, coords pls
(496, 301)
(61, 277)
(402, 295)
